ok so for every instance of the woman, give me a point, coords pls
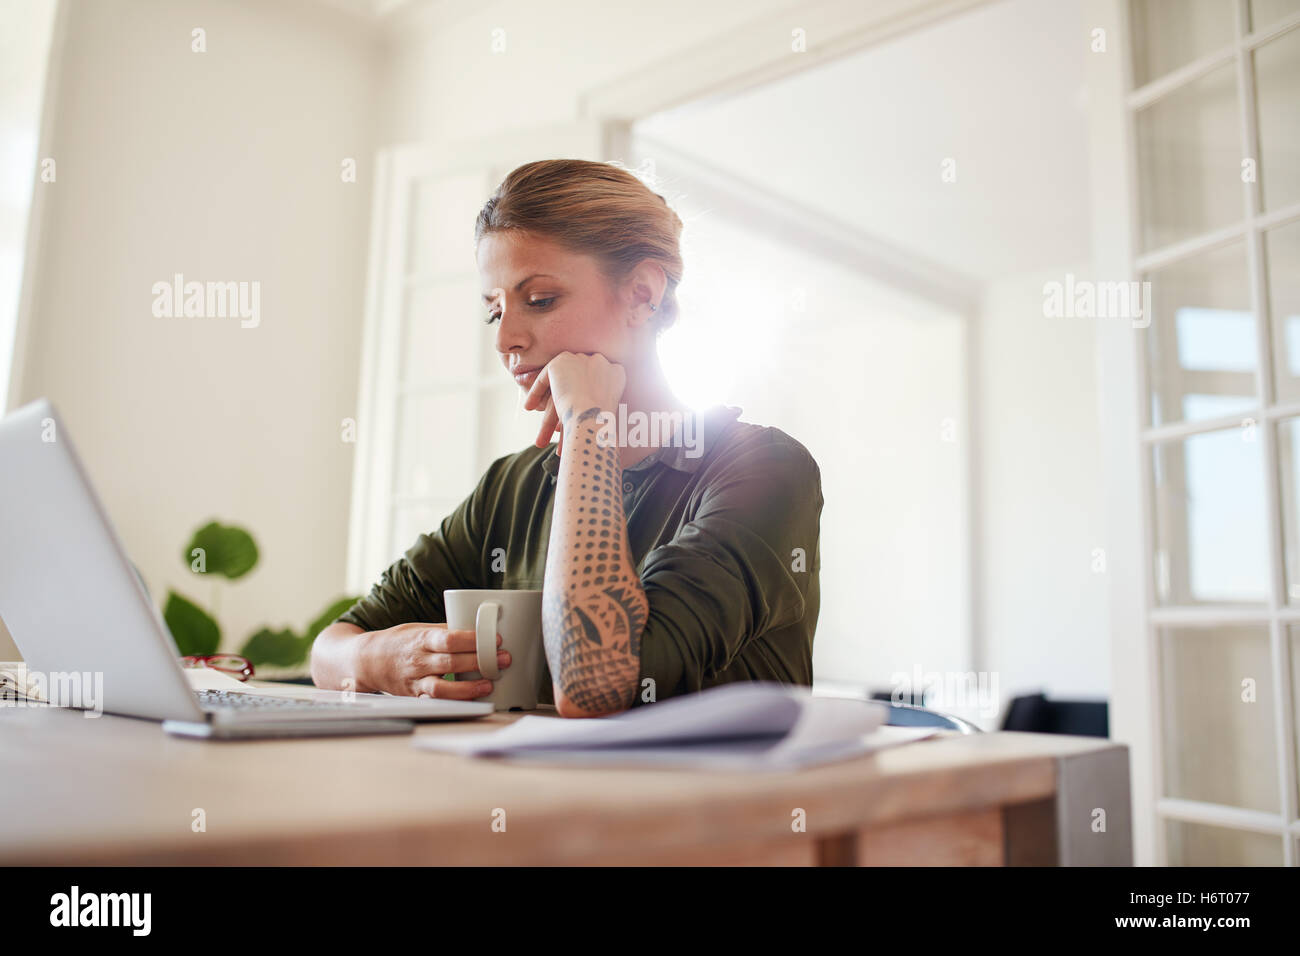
(666, 566)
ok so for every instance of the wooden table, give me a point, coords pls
(118, 791)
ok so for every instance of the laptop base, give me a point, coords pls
(307, 728)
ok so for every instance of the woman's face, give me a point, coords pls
(547, 300)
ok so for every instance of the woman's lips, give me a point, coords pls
(525, 379)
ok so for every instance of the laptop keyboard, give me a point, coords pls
(225, 698)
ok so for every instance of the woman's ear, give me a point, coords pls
(644, 288)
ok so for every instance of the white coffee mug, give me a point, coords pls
(517, 617)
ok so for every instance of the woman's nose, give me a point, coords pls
(511, 333)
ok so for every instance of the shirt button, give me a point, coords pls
(627, 486)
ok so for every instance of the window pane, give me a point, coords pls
(1211, 534)
(490, 363)
(1293, 632)
(505, 427)
(1264, 12)
(1168, 34)
(443, 328)
(435, 455)
(442, 215)
(1288, 460)
(1198, 844)
(1189, 161)
(1277, 86)
(1200, 346)
(1282, 261)
(1217, 716)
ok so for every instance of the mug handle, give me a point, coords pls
(485, 636)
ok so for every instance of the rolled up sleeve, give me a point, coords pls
(449, 557)
(741, 567)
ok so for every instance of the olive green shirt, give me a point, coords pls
(723, 525)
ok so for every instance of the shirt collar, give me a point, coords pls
(708, 427)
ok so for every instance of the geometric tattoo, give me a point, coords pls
(594, 608)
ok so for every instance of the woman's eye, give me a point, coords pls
(535, 303)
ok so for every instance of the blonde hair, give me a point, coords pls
(600, 209)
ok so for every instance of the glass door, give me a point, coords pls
(1214, 121)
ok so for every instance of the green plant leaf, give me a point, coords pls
(227, 550)
(327, 616)
(193, 629)
(280, 648)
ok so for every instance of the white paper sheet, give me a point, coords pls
(749, 758)
(750, 726)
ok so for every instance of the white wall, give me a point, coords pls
(222, 165)
(449, 84)
(994, 91)
(1043, 619)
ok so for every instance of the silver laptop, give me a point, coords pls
(74, 605)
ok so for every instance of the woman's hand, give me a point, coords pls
(573, 382)
(409, 660)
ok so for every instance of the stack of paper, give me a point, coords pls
(747, 726)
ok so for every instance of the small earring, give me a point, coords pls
(653, 307)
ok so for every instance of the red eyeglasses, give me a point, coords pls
(236, 665)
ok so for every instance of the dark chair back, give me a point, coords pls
(1036, 714)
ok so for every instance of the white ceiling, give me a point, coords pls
(400, 14)
(367, 9)
(1000, 90)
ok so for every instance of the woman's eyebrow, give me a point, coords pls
(489, 296)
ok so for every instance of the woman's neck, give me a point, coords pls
(647, 392)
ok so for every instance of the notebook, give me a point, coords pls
(745, 726)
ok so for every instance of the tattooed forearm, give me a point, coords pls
(594, 608)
